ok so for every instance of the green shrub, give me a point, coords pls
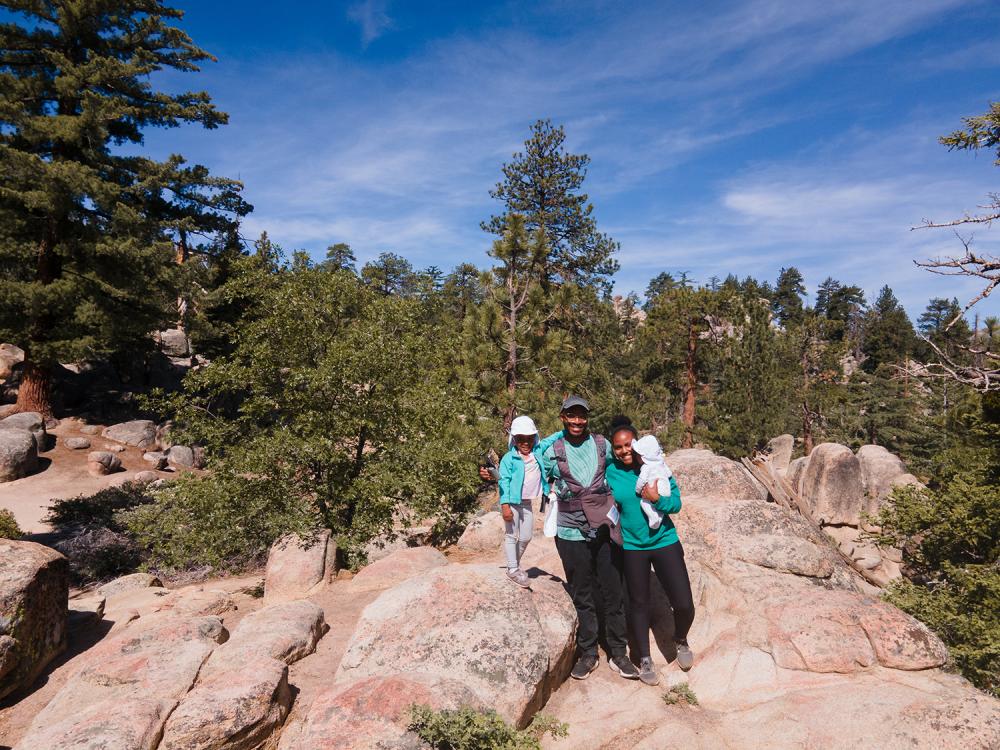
(468, 729)
(224, 521)
(680, 693)
(91, 536)
(8, 525)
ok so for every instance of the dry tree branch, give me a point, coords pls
(986, 267)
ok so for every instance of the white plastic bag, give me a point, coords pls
(552, 517)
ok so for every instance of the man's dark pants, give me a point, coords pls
(594, 574)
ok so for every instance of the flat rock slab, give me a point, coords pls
(465, 622)
(374, 712)
(139, 432)
(132, 724)
(397, 567)
(76, 443)
(128, 583)
(286, 632)
(158, 664)
(34, 590)
(298, 567)
(236, 710)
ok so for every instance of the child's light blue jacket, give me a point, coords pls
(512, 475)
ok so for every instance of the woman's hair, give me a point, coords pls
(620, 422)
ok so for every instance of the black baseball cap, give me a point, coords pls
(570, 401)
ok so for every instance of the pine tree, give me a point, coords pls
(542, 184)
(339, 257)
(86, 230)
(659, 284)
(390, 274)
(888, 336)
(787, 300)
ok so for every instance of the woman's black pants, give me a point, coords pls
(668, 564)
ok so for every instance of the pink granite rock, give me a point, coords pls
(831, 485)
(298, 567)
(397, 567)
(483, 534)
(113, 724)
(701, 472)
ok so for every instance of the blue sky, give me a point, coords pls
(725, 136)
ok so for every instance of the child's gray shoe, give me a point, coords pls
(519, 577)
(647, 672)
(685, 656)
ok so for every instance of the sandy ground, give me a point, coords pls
(63, 474)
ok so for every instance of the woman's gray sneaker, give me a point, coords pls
(685, 657)
(584, 666)
(623, 667)
(647, 672)
(519, 577)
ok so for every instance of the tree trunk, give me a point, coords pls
(690, 386)
(35, 391)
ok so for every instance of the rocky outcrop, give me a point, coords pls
(10, 357)
(34, 589)
(832, 485)
(149, 669)
(138, 432)
(182, 455)
(128, 583)
(484, 533)
(779, 450)
(297, 567)
(701, 472)
(464, 623)
(398, 567)
(18, 454)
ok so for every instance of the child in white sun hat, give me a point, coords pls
(654, 469)
(522, 484)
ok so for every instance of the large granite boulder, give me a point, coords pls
(831, 485)
(138, 432)
(31, 421)
(18, 454)
(34, 590)
(10, 357)
(701, 472)
(298, 567)
(467, 623)
(130, 582)
(484, 533)
(142, 670)
(879, 468)
(100, 463)
(779, 449)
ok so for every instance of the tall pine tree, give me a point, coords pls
(86, 231)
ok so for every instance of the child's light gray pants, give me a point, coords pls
(518, 533)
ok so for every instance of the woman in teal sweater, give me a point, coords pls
(645, 547)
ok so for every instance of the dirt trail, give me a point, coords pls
(64, 474)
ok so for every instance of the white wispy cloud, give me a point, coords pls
(373, 18)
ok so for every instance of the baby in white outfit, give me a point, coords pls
(654, 471)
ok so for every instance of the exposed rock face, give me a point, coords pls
(831, 485)
(795, 471)
(286, 632)
(878, 468)
(76, 443)
(34, 588)
(31, 421)
(146, 669)
(701, 472)
(464, 623)
(780, 450)
(157, 459)
(374, 712)
(484, 533)
(397, 567)
(103, 462)
(127, 583)
(18, 454)
(174, 343)
(139, 432)
(297, 567)
(236, 710)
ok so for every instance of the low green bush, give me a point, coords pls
(8, 525)
(680, 693)
(468, 729)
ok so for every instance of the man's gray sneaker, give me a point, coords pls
(623, 667)
(519, 577)
(685, 657)
(584, 666)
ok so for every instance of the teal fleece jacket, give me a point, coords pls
(512, 475)
(636, 533)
